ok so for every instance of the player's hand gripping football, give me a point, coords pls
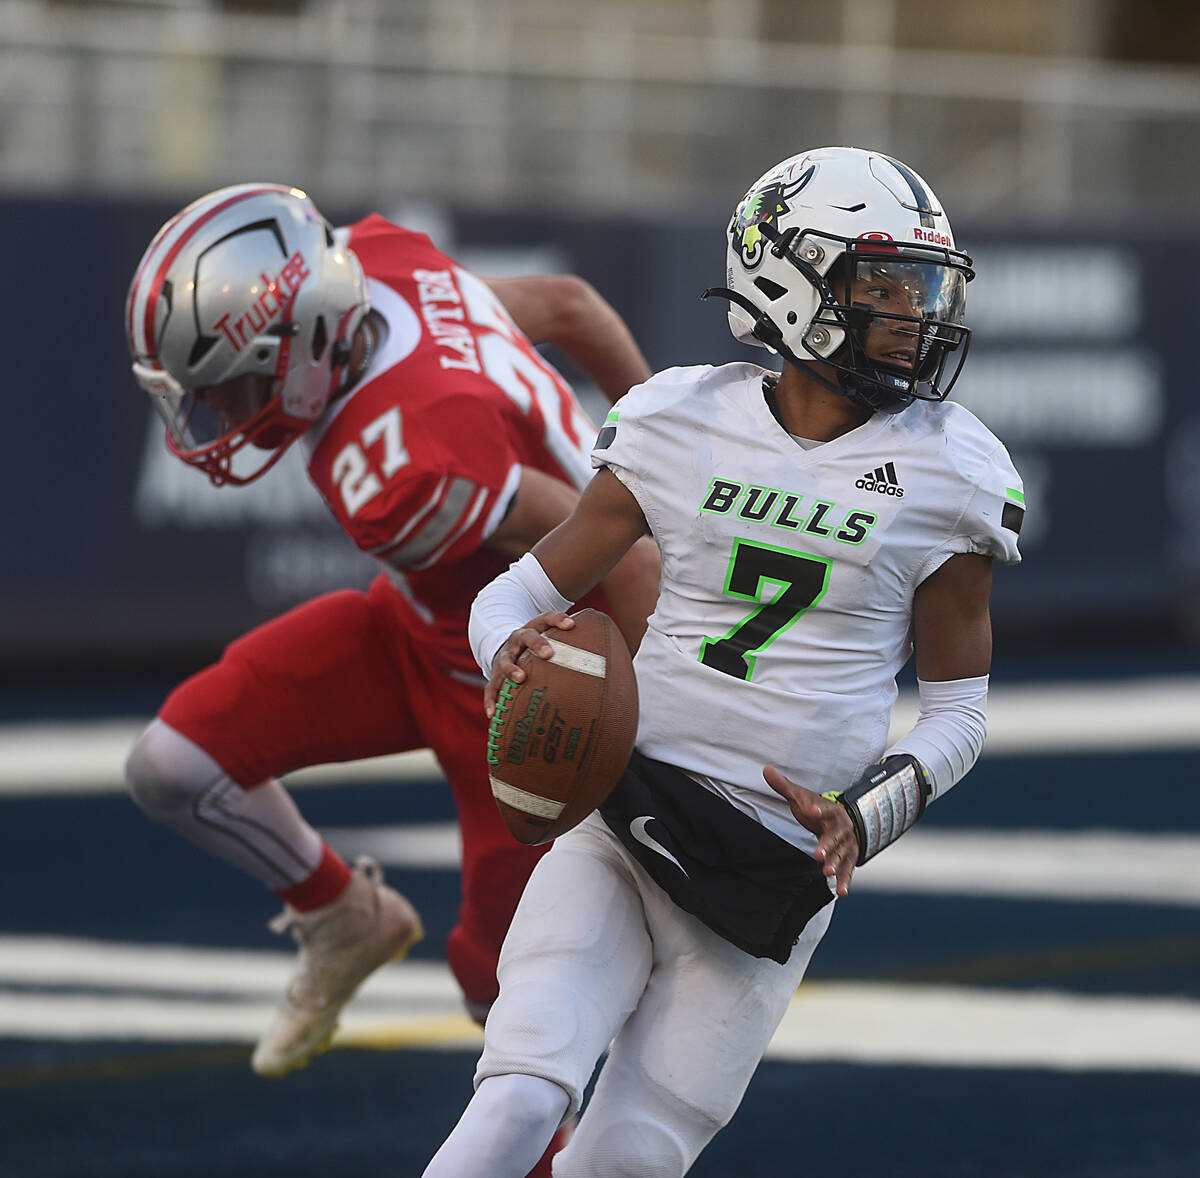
(528, 637)
(837, 844)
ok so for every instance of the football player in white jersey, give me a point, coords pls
(816, 528)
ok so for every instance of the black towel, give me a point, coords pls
(748, 885)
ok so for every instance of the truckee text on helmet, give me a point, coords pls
(277, 293)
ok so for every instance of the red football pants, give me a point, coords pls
(343, 677)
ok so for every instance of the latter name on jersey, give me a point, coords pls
(422, 458)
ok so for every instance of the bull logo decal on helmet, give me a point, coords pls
(765, 205)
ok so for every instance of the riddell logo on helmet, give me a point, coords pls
(933, 236)
(277, 293)
(879, 236)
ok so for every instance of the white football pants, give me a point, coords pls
(598, 954)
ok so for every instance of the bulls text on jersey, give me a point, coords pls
(778, 509)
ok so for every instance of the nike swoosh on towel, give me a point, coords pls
(637, 828)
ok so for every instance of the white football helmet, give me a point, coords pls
(834, 242)
(246, 281)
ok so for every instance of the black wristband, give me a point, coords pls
(884, 802)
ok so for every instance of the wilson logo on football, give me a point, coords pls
(518, 745)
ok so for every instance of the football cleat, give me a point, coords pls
(341, 944)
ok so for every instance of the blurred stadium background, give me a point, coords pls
(1014, 993)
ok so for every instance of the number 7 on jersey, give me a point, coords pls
(752, 568)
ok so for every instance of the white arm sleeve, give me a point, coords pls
(950, 729)
(521, 592)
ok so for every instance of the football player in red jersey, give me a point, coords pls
(445, 446)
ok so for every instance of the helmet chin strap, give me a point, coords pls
(767, 331)
(870, 398)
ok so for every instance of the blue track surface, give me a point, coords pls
(374, 1115)
(93, 867)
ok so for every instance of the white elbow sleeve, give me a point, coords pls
(521, 592)
(950, 730)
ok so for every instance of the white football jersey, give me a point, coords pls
(788, 574)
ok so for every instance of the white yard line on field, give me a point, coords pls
(163, 993)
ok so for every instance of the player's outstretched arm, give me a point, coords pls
(568, 312)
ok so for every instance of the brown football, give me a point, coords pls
(560, 740)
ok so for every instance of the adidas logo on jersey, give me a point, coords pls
(882, 480)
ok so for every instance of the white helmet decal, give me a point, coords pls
(761, 205)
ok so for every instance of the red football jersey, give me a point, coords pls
(420, 461)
